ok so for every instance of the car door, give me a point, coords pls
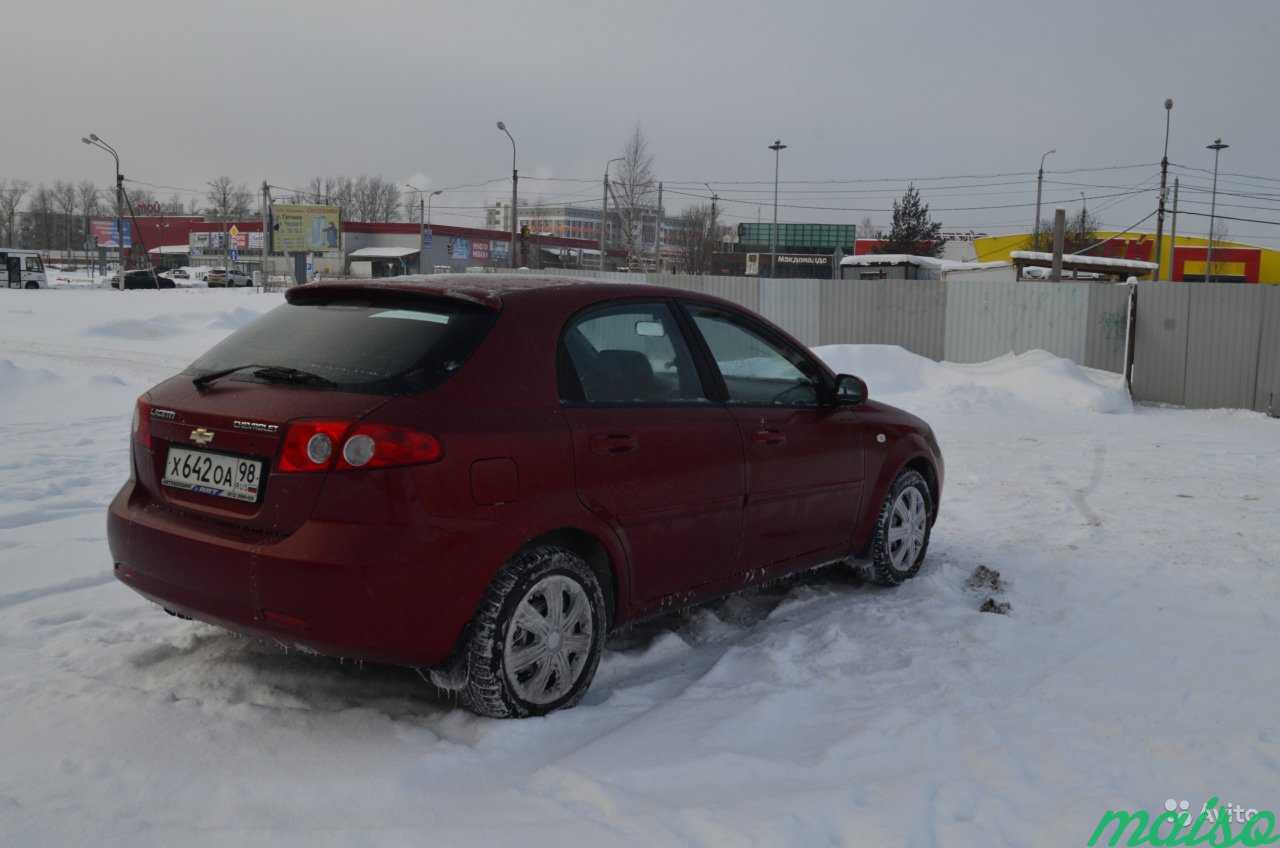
(653, 455)
(804, 458)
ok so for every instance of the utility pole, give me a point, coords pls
(422, 234)
(657, 239)
(266, 230)
(1217, 147)
(777, 147)
(604, 209)
(1164, 177)
(1059, 239)
(1173, 228)
(1035, 225)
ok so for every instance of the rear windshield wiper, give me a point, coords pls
(269, 373)
(204, 380)
(281, 374)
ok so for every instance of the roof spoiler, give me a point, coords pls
(318, 292)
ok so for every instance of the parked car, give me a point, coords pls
(221, 278)
(178, 274)
(481, 477)
(142, 280)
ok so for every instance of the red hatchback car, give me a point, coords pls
(483, 477)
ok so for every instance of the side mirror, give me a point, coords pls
(849, 390)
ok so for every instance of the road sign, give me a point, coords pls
(235, 255)
(234, 231)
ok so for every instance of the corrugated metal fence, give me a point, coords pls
(1196, 345)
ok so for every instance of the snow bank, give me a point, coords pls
(14, 377)
(1036, 379)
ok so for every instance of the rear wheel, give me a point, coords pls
(902, 530)
(537, 638)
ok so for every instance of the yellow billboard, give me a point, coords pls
(305, 229)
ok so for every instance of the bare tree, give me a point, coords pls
(1221, 232)
(1081, 233)
(12, 193)
(227, 199)
(320, 190)
(90, 202)
(66, 201)
(699, 228)
(632, 190)
(39, 228)
(869, 230)
(343, 193)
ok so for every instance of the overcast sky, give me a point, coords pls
(859, 90)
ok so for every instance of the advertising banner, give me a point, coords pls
(500, 251)
(305, 229)
(459, 248)
(480, 249)
(104, 232)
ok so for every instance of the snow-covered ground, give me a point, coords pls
(1138, 546)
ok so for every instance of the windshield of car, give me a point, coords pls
(372, 345)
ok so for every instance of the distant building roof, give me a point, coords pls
(881, 259)
(1035, 257)
(382, 253)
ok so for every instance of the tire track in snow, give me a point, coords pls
(13, 599)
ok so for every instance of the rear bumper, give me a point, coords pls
(375, 592)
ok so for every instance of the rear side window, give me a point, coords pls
(382, 346)
(630, 353)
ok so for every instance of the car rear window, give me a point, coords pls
(375, 346)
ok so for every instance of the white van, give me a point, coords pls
(22, 269)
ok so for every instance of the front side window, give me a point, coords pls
(757, 370)
(628, 353)
(34, 263)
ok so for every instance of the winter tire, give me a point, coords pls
(902, 530)
(537, 637)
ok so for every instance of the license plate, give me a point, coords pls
(213, 474)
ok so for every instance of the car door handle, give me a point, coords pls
(767, 436)
(612, 444)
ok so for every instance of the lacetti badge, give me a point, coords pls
(256, 426)
(201, 436)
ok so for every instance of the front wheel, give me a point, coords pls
(902, 530)
(537, 638)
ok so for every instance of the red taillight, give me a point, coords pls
(301, 442)
(344, 446)
(382, 446)
(142, 423)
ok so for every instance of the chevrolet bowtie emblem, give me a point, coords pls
(201, 436)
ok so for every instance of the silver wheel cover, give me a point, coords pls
(549, 640)
(907, 523)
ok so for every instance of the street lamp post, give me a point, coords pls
(94, 141)
(515, 178)
(604, 208)
(424, 221)
(1035, 225)
(1164, 180)
(777, 147)
(1217, 147)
